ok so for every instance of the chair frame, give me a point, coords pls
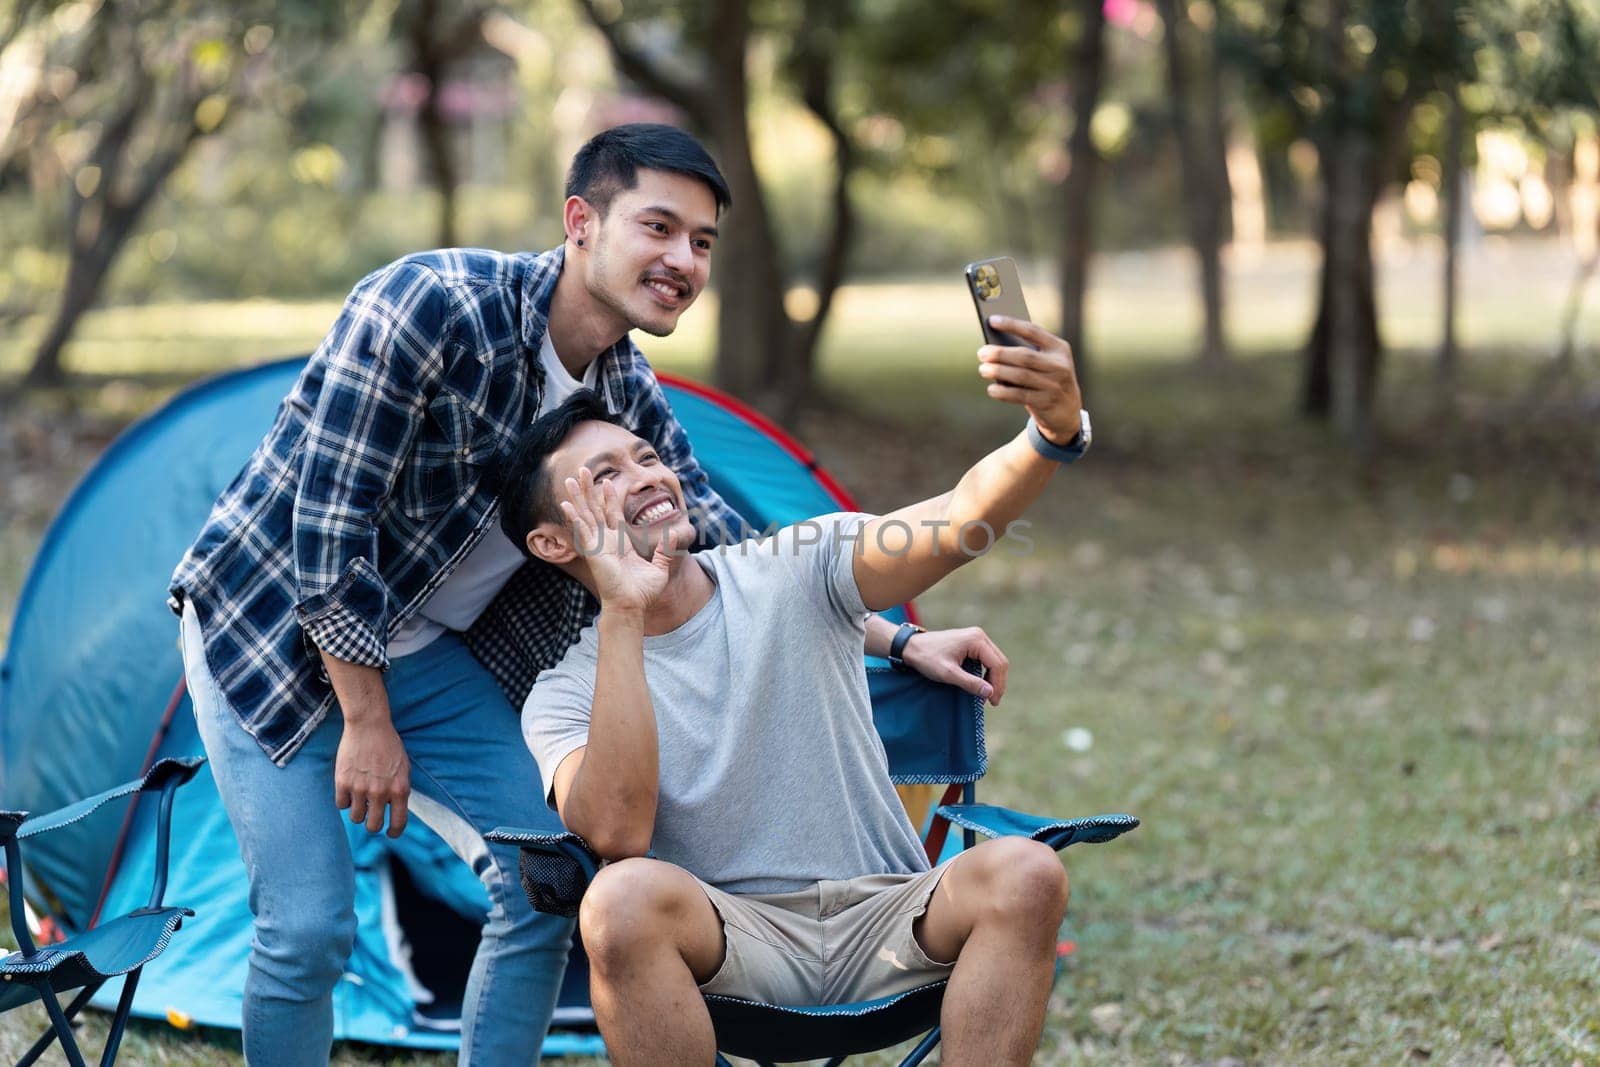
(55, 969)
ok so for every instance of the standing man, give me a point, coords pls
(357, 629)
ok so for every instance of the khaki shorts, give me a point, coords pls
(832, 943)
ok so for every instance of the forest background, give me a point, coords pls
(1322, 606)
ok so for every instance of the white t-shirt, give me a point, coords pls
(461, 597)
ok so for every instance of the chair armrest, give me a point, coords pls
(178, 771)
(9, 821)
(932, 732)
(555, 869)
(179, 768)
(993, 821)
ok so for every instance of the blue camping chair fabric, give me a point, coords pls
(933, 734)
(120, 946)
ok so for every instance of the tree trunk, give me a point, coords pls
(78, 296)
(431, 62)
(111, 221)
(1343, 355)
(1216, 141)
(1088, 63)
(818, 44)
(753, 331)
(441, 161)
(762, 356)
(1202, 201)
(98, 226)
(1446, 368)
(1316, 389)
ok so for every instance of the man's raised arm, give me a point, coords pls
(904, 553)
(606, 791)
(938, 655)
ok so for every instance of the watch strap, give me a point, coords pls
(897, 646)
(1067, 453)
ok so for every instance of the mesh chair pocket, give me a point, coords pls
(554, 882)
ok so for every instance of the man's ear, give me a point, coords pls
(580, 219)
(551, 542)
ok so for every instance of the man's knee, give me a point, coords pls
(305, 951)
(1023, 883)
(631, 905)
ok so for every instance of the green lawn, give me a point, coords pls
(1355, 704)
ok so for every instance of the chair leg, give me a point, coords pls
(63, 1028)
(120, 1020)
(49, 1036)
(920, 1053)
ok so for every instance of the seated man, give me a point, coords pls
(717, 712)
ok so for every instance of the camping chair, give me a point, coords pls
(932, 734)
(119, 946)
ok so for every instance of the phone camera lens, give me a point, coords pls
(988, 282)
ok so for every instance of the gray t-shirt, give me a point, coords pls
(772, 775)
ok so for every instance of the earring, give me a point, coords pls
(580, 242)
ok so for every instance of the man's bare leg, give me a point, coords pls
(652, 938)
(996, 913)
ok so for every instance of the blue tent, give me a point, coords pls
(90, 693)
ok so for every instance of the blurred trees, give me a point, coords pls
(696, 57)
(1540, 77)
(998, 103)
(884, 137)
(1346, 75)
(438, 37)
(1086, 76)
(1195, 105)
(1351, 76)
(125, 89)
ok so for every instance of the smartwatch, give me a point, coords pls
(907, 631)
(1067, 453)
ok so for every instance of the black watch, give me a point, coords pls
(907, 631)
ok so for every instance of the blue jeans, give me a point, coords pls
(470, 772)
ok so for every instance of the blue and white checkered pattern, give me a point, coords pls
(379, 475)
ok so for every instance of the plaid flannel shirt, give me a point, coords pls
(381, 473)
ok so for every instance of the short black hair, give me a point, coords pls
(611, 160)
(529, 498)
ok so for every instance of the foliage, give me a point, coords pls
(976, 102)
(1525, 65)
(974, 99)
(955, 120)
(1539, 59)
(114, 95)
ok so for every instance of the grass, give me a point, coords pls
(1353, 702)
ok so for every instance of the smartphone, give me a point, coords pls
(996, 290)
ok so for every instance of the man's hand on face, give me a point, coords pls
(1044, 380)
(941, 655)
(624, 580)
(371, 772)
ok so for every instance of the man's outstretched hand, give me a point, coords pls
(940, 655)
(1043, 380)
(623, 578)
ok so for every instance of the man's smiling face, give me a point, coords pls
(648, 489)
(650, 255)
